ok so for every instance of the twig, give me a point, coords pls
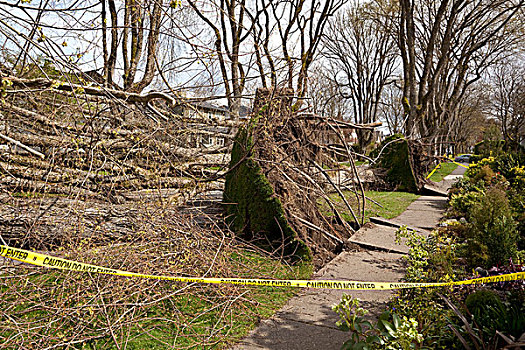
(90, 90)
(369, 126)
(367, 198)
(21, 145)
(337, 189)
(315, 227)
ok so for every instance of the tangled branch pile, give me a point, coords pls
(103, 180)
(46, 309)
(97, 154)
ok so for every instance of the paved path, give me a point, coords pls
(307, 321)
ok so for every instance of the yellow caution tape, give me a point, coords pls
(64, 264)
(438, 166)
(433, 171)
(464, 166)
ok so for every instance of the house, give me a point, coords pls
(336, 132)
(208, 125)
(202, 110)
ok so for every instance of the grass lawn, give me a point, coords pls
(394, 203)
(195, 317)
(443, 170)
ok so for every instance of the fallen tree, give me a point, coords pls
(278, 173)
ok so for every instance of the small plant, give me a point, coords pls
(463, 201)
(485, 329)
(436, 250)
(485, 174)
(493, 236)
(487, 311)
(417, 257)
(391, 331)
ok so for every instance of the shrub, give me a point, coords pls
(510, 165)
(505, 171)
(493, 236)
(488, 324)
(490, 314)
(391, 332)
(476, 167)
(463, 202)
(485, 173)
(505, 162)
(486, 307)
(516, 197)
(429, 259)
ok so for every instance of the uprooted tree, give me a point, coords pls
(279, 171)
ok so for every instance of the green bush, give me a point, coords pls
(463, 202)
(429, 259)
(488, 148)
(464, 194)
(486, 308)
(485, 173)
(493, 236)
(510, 165)
(506, 171)
(490, 314)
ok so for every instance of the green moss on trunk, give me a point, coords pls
(396, 160)
(254, 211)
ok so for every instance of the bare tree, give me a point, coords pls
(300, 25)
(324, 96)
(445, 47)
(468, 123)
(391, 109)
(507, 100)
(228, 22)
(362, 53)
(140, 19)
(278, 39)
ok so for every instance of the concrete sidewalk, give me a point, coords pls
(449, 180)
(307, 322)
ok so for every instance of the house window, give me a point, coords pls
(207, 141)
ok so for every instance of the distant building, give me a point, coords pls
(202, 110)
(213, 126)
(347, 133)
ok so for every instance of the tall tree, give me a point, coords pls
(228, 22)
(391, 109)
(468, 123)
(140, 19)
(297, 30)
(445, 47)
(278, 38)
(507, 99)
(324, 96)
(363, 55)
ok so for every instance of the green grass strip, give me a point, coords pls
(393, 204)
(443, 170)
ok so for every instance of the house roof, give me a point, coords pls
(244, 111)
(210, 107)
